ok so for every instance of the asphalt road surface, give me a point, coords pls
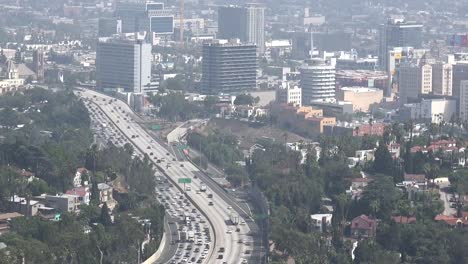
(236, 244)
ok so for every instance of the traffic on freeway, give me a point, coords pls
(208, 232)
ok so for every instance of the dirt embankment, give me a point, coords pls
(248, 133)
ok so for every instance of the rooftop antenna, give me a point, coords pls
(311, 42)
(181, 21)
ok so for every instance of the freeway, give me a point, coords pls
(231, 244)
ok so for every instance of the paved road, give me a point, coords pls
(444, 196)
(218, 214)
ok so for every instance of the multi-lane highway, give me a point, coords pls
(220, 241)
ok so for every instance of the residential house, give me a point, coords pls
(5, 219)
(357, 187)
(225, 109)
(321, 222)
(364, 155)
(394, 149)
(254, 148)
(360, 183)
(23, 206)
(363, 227)
(376, 129)
(27, 175)
(304, 149)
(83, 193)
(444, 146)
(304, 120)
(352, 162)
(404, 219)
(77, 179)
(454, 221)
(415, 179)
(61, 202)
(105, 193)
(245, 111)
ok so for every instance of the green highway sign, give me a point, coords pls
(182, 146)
(261, 216)
(156, 127)
(185, 180)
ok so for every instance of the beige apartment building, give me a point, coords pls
(361, 97)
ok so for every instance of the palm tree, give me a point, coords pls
(431, 171)
(374, 206)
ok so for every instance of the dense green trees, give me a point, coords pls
(383, 162)
(221, 149)
(54, 133)
(41, 241)
(459, 181)
(53, 142)
(245, 99)
(295, 191)
(174, 107)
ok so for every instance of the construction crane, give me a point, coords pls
(181, 21)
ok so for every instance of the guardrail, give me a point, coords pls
(153, 258)
(169, 178)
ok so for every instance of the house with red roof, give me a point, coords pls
(404, 219)
(453, 221)
(363, 227)
(83, 193)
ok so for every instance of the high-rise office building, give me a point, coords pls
(442, 78)
(228, 67)
(463, 103)
(414, 80)
(231, 22)
(255, 26)
(133, 16)
(38, 64)
(245, 23)
(460, 73)
(107, 26)
(398, 33)
(123, 64)
(317, 82)
(161, 21)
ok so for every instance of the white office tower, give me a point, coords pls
(124, 64)
(255, 26)
(317, 82)
(289, 94)
(442, 79)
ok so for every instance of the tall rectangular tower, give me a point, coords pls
(463, 105)
(398, 33)
(255, 26)
(231, 22)
(229, 67)
(442, 79)
(38, 64)
(123, 64)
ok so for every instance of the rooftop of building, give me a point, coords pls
(357, 89)
(361, 74)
